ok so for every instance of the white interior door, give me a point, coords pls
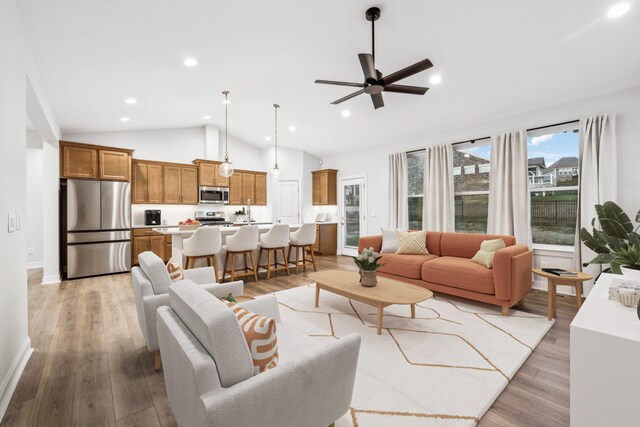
(288, 203)
(353, 214)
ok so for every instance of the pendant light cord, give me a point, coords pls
(276, 106)
(226, 127)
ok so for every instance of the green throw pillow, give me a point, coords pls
(487, 251)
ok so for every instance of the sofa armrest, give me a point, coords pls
(313, 391)
(265, 305)
(374, 242)
(512, 273)
(201, 275)
(151, 303)
(220, 290)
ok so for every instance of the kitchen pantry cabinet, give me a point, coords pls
(325, 187)
(326, 239)
(244, 185)
(209, 174)
(145, 239)
(84, 161)
(164, 183)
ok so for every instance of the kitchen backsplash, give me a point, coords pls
(176, 213)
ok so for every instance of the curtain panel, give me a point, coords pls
(438, 211)
(398, 193)
(597, 180)
(509, 198)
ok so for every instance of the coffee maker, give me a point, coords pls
(152, 217)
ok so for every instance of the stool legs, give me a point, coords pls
(215, 268)
(253, 265)
(301, 249)
(272, 260)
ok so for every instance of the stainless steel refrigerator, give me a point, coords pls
(98, 227)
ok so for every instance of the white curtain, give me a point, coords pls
(398, 194)
(437, 207)
(597, 180)
(509, 199)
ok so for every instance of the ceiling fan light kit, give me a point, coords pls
(374, 81)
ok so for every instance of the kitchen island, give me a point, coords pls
(177, 236)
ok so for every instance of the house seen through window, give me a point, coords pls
(471, 186)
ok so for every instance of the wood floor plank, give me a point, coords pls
(93, 405)
(161, 403)
(144, 418)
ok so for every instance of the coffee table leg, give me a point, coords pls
(413, 311)
(379, 319)
(550, 288)
(317, 294)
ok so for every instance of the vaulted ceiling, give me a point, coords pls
(496, 57)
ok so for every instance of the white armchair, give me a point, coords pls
(208, 368)
(151, 283)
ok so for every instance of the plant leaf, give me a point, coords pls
(613, 228)
(615, 212)
(591, 242)
(602, 259)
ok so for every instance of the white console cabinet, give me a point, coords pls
(605, 361)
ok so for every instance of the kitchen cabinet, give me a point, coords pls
(172, 184)
(325, 187)
(168, 252)
(326, 239)
(209, 174)
(248, 187)
(261, 189)
(235, 189)
(145, 239)
(189, 185)
(114, 165)
(244, 185)
(146, 183)
(85, 161)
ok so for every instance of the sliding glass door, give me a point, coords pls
(353, 210)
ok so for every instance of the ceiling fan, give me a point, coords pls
(375, 83)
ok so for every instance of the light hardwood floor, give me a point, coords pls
(90, 365)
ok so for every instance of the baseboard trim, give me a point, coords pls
(52, 279)
(10, 381)
(35, 264)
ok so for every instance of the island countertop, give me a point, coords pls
(175, 231)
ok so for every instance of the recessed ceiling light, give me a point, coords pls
(207, 117)
(124, 119)
(268, 138)
(435, 79)
(346, 113)
(617, 10)
(130, 101)
(190, 62)
(292, 128)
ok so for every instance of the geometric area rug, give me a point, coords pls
(446, 367)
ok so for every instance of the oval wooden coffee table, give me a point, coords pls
(387, 292)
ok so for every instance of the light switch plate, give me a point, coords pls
(12, 222)
(18, 222)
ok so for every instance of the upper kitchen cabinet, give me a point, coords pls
(261, 189)
(84, 161)
(189, 185)
(325, 187)
(248, 187)
(235, 189)
(147, 183)
(245, 185)
(180, 184)
(209, 174)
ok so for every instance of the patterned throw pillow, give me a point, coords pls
(487, 252)
(260, 333)
(412, 243)
(175, 270)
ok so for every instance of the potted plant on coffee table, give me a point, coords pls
(617, 243)
(368, 261)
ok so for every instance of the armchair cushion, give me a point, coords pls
(156, 272)
(216, 328)
(201, 276)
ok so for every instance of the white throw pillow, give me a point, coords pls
(390, 242)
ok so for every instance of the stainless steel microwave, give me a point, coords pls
(214, 195)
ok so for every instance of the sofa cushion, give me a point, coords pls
(216, 328)
(156, 271)
(459, 273)
(409, 266)
(465, 245)
(294, 344)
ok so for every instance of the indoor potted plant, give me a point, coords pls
(617, 243)
(368, 261)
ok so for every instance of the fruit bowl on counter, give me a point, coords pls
(189, 224)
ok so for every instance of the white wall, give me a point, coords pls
(17, 67)
(242, 155)
(626, 105)
(33, 224)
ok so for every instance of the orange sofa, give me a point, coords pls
(448, 267)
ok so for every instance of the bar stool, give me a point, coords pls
(206, 242)
(244, 242)
(301, 239)
(273, 241)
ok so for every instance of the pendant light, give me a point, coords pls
(276, 169)
(226, 169)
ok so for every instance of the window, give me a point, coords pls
(471, 189)
(415, 177)
(554, 184)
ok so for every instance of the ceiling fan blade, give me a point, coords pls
(332, 82)
(346, 98)
(377, 100)
(412, 90)
(368, 67)
(425, 64)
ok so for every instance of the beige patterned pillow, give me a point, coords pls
(260, 334)
(487, 252)
(175, 270)
(412, 243)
